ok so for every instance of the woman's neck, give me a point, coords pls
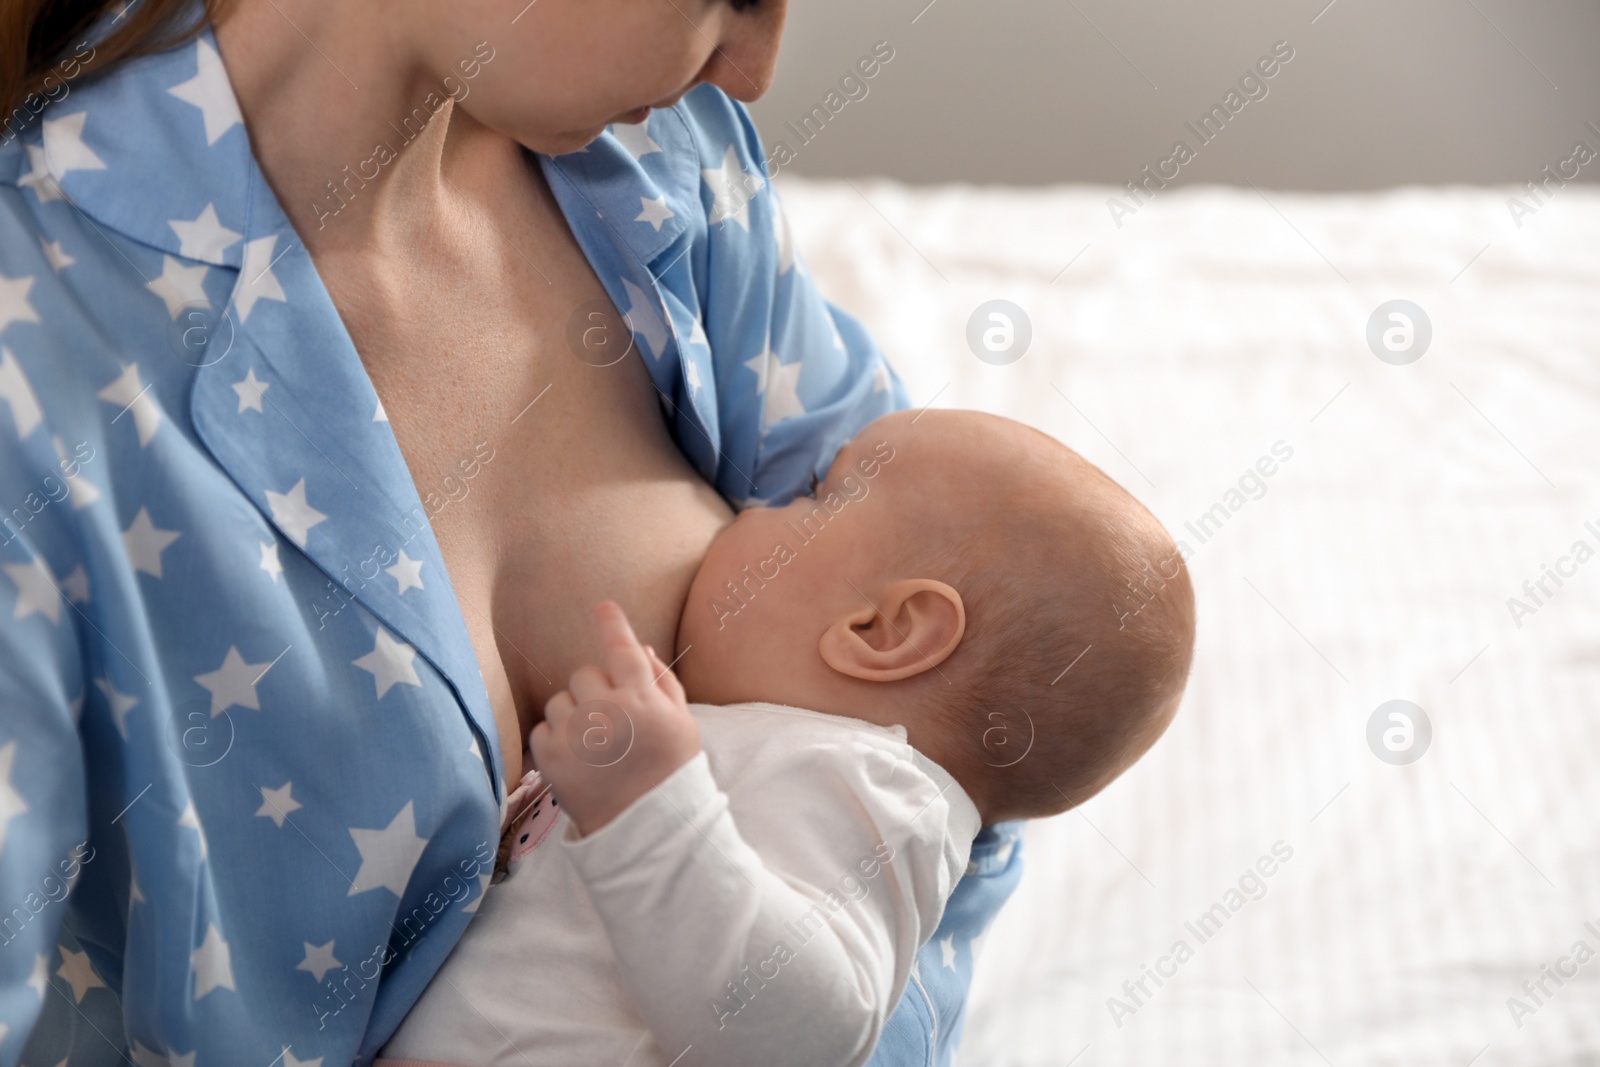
(342, 127)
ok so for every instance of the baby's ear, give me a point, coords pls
(911, 626)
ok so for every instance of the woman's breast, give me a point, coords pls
(598, 528)
(578, 498)
(551, 483)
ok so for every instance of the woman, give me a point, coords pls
(320, 436)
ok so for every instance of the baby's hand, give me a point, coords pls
(612, 736)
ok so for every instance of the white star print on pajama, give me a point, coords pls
(203, 237)
(210, 91)
(293, 515)
(39, 979)
(133, 397)
(319, 960)
(11, 802)
(64, 147)
(76, 585)
(180, 285)
(36, 589)
(14, 303)
(269, 560)
(82, 494)
(78, 973)
(732, 189)
(390, 663)
(213, 967)
(250, 392)
(234, 683)
(145, 543)
(15, 390)
(407, 571)
(190, 819)
(295, 754)
(56, 255)
(118, 704)
(655, 212)
(276, 804)
(256, 280)
(39, 178)
(635, 137)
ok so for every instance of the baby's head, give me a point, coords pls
(1026, 620)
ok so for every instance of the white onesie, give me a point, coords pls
(764, 904)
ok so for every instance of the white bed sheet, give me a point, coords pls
(1174, 352)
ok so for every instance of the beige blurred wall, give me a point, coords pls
(1034, 91)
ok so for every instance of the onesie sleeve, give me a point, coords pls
(792, 955)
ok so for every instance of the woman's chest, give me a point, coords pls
(538, 449)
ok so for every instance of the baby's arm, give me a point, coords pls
(723, 956)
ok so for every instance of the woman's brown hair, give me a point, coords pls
(38, 35)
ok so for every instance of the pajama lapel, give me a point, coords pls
(280, 396)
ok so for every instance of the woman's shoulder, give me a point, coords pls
(34, 351)
(58, 267)
(83, 319)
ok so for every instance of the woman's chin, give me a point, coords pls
(572, 142)
(558, 144)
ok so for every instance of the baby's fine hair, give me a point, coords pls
(1080, 632)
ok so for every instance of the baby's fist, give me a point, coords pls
(614, 734)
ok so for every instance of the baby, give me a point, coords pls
(988, 627)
